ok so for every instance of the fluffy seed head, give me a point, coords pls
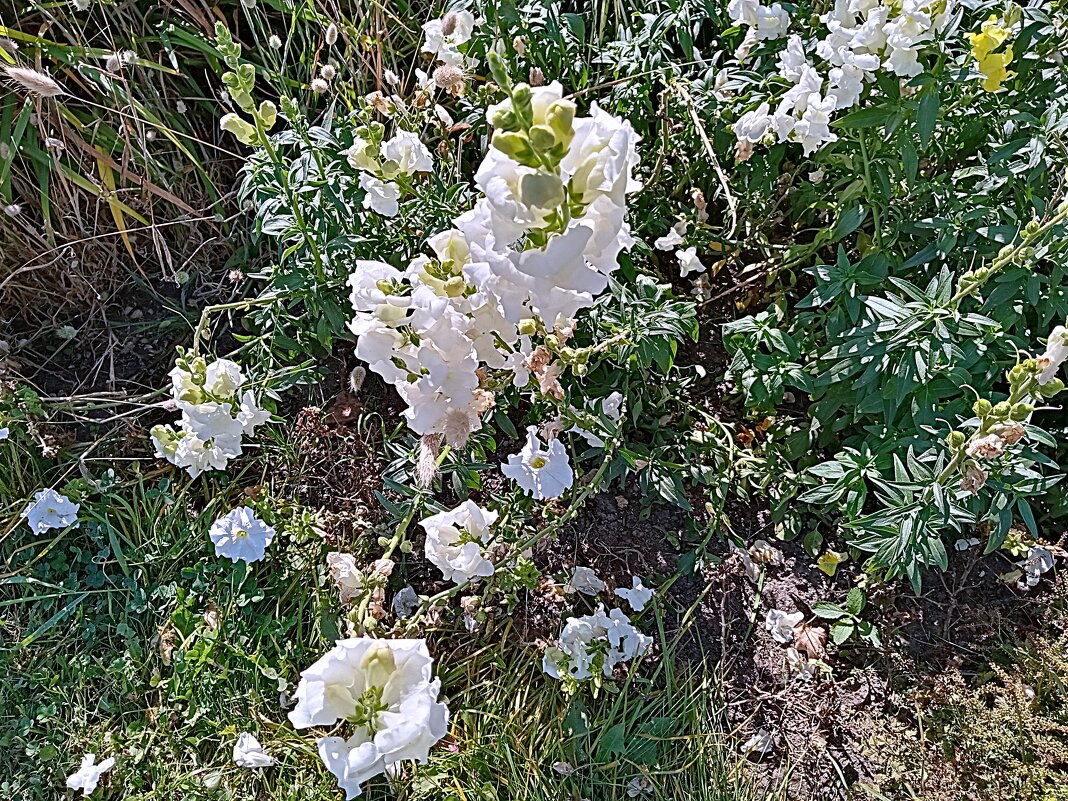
(331, 34)
(328, 72)
(450, 78)
(34, 82)
(319, 86)
(426, 467)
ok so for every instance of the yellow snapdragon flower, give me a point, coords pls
(993, 66)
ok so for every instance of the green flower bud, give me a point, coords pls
(514, 145)
(528, 327)
(1002, 410)
(580, 370)
(383, 542)
(1021, 411)
(406, 547)
(268, 114)
(504, 119)
(498, 70)
(1051, 388)
(981, 408)
(542, 137)
(561, 117)
(955, 440)
(1031, 228)
(521, 104)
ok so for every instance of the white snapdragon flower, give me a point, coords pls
(540, 472)
(782, 624)
(248, 753)
(688, 262)
(637, 596)
(1056, 354)
(584, 640)
(455, 540)
(673, 238)
(87, 777)
(813, 129)
(361, 156)
(386, 692)
(223, 378)
(405, 154)
(382, 197)
(50, 510)
(348, 577)
(241, 536)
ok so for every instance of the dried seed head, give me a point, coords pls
(319, 86)
(331, 34)
(450, 78)
(328, 72)
(34, 82)
(356, 379)
(426, 467)
(448, 23)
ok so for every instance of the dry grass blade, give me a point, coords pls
(34, 82)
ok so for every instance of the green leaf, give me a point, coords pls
(927, 115)
(848, 222)
(856, 601)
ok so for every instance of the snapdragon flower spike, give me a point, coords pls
(216, 416)
(610, 638)
(539, 245)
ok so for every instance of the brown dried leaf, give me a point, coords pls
(810, 640)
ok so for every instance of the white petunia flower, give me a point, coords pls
(637, 596)
(382, 197)
(543, 473)
(455, 540)
(241, 536)
(782, 625)
(248, 753)
(386, 691)
(584, 580)
(87, 777)
(50, 510)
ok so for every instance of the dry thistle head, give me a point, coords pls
(34, 82)
(451, 79)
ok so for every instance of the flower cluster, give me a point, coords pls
(592, 642)
(456, 540)
(386, 165)
(992, 56)
(445, 36)
(536, 249)
(863, 37)
(216, 415)
(385, 691)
